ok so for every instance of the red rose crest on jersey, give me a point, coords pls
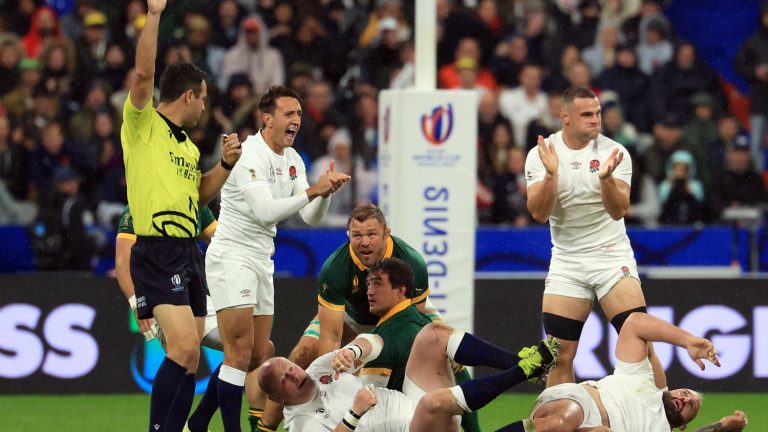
(292, 172)
(326, 379)
(594, 166)
(625, 271)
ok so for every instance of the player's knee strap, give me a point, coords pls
(562, 327)
(618, 321)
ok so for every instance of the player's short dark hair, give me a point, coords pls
(577, 92)
(178, 78)
(268, 101)
(398, 271)
(364, 212)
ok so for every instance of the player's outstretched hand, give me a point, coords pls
(230, 148)
(365, 399)
(156, 6)
(548, 155)
(735, 422)
(342, 361)
(610, 164)
(700, 348)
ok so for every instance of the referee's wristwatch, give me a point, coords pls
(225, 165)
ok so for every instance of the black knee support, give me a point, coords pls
(618, 321)
(562, 327)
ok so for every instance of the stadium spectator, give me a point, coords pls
(43, 27)
(728, 129)
(634, 28)
(548, 123)
(126, 32)
(19, 98)
(468, 74)
(751, 63)
(738, 185)
(510, 193)
(681, 193)
(10, 57)
(72, 23)
(508, 60)
(673, 84)
(237, 103)
(387, 16)
(456, 24)
(319, 121)
(556, 78)
(668, 134)
(383, 56)
(253, 55)
(699, 132)
(360, 187)
(13, 160)
(225, 24)
(58, 62)
(614, 126)
(644, 205)
(364, 129)
(61, 240)
(91, 50)
(655, 50)
(602, 54)
(311, 45)
(405, 76)
(626, 79)
(523, 103)
(448, 75)
(205, 55)
(81, 123)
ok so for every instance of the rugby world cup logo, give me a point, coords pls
(438, 125)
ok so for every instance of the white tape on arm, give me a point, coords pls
(132, 301)
(376, 345)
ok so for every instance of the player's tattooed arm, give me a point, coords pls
(735, 422)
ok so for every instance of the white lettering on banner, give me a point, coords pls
(73, 354)
(435, 234)
(76, 351)
(760, 327)
(716, 322)
(21, 352)
(733, 349)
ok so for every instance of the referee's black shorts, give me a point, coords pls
(168, 270)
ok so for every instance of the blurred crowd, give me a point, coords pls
(66, 65)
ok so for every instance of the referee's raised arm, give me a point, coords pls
(146, 52)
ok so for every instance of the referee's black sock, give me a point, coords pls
(469, 350)
(481, 391)
(182, 404)
(168, 379)
(199, 420)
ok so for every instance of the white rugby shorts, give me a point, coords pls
(576, 393)
(236, 280)
(588, 277)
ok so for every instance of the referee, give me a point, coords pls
(165, 193)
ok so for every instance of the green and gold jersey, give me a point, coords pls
(162, 173)
(341, 286)
(206, 223)
(398, 328)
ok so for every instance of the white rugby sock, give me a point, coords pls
(232, 375)
(454, 340)
(458, 394)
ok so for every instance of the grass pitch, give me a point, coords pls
(121, 413)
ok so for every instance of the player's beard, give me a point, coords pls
(673, 416)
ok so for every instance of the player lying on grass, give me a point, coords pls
(326, 397)
(629, 399)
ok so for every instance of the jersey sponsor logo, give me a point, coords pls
(594, 166)
(575, 165)
(320, 410)
(184, 168)
(326, 379)
(438, 125)
(292, 172)
(278, 171)
(245, 292)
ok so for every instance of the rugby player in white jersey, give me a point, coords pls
(579, 181)
(268, 185)
(327, 398)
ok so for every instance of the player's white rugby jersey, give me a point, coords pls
(579, 222)
(631, 398)
(333, 398)
(259, 167)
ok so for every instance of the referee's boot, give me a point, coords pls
(536, 361)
